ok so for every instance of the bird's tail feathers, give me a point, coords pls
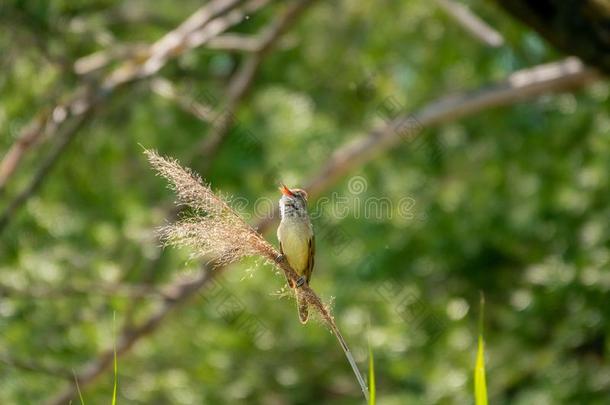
(302, 306)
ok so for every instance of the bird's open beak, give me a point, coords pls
(285, 190)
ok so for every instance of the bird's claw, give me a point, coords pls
(300, 281)
(279, 258)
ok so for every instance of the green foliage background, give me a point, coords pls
(515, 204)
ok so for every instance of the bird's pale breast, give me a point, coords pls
(294, 236)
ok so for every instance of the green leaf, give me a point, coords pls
(80, 394)
(480, 387)
(371, 377)
(116, 369)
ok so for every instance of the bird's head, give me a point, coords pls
(293, 202)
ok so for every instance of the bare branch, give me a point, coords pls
(472, 23)
(196, 31)
(28, 137)
(49, 123)
(235, 42)
(98, 60)
(166, 89)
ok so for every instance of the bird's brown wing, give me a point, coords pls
(290, 283)
(312, 253)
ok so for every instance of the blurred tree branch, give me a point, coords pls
(236, 43)
(101, 59)
(52, 292)
(64, 139)
(166, 89)
(521, 85)
(203, 25)
(36, 367)
(86, 65)
(472, 23)
(567, 74)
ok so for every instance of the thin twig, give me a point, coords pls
(472, 23)
(100, 59)
(196, 31)
(166, 89)
(235, 43)
(28, 137)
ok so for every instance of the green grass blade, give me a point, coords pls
(371, 377)
(116, 369)
(80, 394)
(480, 386)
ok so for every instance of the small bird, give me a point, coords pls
(297, 244)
